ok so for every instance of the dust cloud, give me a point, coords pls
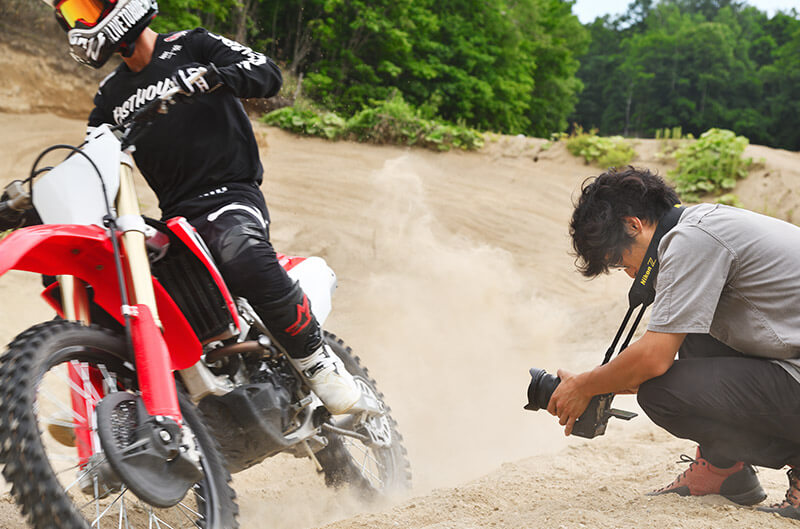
(458, 325)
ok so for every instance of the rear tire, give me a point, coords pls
(375, 471)
(35, 402)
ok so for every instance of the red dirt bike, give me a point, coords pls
(138, 418)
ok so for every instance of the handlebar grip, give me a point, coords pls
(8, 214)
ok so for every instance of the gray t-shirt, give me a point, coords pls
(735, 275)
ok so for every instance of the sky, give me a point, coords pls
(588, 10)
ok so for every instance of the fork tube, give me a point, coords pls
(153, 363)
(133, 244)
(74, 299)
(75, 307)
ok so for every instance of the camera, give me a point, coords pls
(592, 422)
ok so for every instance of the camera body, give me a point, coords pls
(592, 422)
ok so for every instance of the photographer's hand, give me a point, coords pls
(569, 400)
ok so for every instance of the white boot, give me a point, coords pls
(329, 379)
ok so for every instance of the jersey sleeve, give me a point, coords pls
(695, 267)
(99, 115)
(246, 72)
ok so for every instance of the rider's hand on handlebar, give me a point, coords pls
(207, 83)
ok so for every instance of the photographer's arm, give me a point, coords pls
(650, 356)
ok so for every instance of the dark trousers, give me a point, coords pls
(737, 408)
(238, 240)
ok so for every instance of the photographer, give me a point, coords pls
(727, 301)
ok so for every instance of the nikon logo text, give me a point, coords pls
(650, 264)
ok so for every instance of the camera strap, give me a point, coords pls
(643, 291)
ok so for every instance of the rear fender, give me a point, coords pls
(86, 252)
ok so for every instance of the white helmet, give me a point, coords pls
(98, 28)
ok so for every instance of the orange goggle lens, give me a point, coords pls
(88, 12)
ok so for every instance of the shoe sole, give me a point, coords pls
(751, 497)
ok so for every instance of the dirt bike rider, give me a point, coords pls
(202, 160)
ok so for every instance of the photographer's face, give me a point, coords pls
(632, 257)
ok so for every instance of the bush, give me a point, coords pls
(391, 121)
(613, 151)
(710, 165)
(306, 121)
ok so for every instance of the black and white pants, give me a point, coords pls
(237, 236)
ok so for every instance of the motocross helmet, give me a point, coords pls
(98, 28)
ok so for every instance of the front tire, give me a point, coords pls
(38, 449)
(374, 470)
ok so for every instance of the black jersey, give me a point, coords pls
(202, 154)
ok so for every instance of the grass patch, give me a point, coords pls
(710, 165)
(613, 151)
(392, 121)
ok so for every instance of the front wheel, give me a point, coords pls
(51, 378)
(375, 463)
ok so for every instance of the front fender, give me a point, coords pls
(86, 252)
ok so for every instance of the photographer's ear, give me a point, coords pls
(633, 225)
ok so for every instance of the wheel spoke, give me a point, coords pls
(121, 494)
(61, 405)
(367, 457)
(183, 511)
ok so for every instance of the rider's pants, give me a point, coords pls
(238, 237)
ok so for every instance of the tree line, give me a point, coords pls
(503, 65)
(529, 66)
(694, 64)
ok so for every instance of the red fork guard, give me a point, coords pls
(153, 365)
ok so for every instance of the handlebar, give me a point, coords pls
(18, 200)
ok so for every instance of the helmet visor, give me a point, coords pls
(86, 12)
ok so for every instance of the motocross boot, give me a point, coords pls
(738, 483)
(327, 377)
(297, 332)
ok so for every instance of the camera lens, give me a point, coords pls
(540, 389)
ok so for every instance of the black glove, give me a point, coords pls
(10, 218)
(208, 83)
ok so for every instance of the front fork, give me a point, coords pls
(153, 364)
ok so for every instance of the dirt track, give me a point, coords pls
(454, 278)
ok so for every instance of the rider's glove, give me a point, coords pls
(208, 83)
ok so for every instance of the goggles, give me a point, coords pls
(87, 13)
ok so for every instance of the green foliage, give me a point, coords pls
(605, 152)
(671, 140)
(694, 65)
(502, 65)
(308, 122)
(711, 164)
(391, 121)
(729, 199)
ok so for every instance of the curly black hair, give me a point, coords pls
(597, 227)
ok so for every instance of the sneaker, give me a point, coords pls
(738, 483)
(327, 377)
(790, 506)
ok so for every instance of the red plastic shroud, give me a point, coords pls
(187, 234)
(86, 253)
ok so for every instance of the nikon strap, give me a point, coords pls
(643, 291)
